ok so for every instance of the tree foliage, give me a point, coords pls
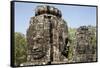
(20, 48)
(71, 44)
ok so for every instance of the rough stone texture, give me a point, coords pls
(85, 52)
(47, 40)
(47, 37)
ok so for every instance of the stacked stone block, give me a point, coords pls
(47, 37)
(85, 51)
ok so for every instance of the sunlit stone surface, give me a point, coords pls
(85, 50)
(47, 37)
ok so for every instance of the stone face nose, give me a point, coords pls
(45, 9)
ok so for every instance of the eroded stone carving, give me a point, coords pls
(84, 49)
(47, 37)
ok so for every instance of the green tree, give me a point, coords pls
(20, 48)
(72, 44)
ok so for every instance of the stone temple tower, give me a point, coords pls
(47, 37)
(85, 50)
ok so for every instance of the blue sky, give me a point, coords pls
(75, 16)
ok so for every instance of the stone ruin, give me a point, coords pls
(85, 51)
(47, 37)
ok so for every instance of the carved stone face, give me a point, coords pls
(38, 49)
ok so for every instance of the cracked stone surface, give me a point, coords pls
(47, 37)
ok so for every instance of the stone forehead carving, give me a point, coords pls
(46, 9)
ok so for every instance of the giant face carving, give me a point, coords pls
(38, 49)
(36, 44)
(82, 39)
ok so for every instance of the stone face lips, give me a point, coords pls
(47, 37)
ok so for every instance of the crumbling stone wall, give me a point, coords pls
(47, 37)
